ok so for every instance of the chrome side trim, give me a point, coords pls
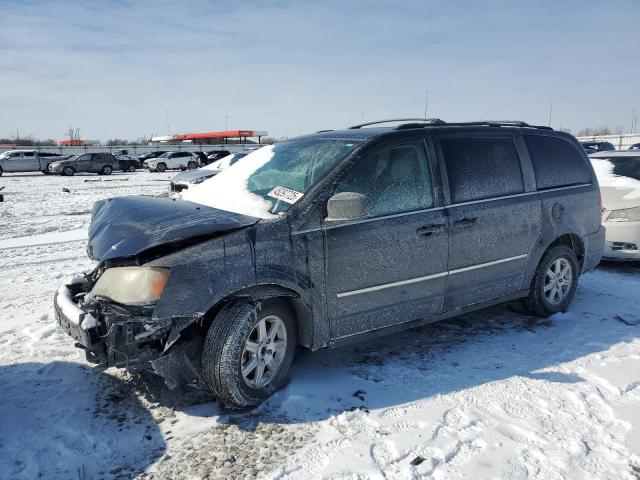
(383, 286)
(393, 284)
(488, 264)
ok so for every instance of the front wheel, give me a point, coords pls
(192, 165)
(554, 283)
(68, 171)
(248, 352)
(161, 167)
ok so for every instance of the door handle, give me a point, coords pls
(428, 230)
(465, 222)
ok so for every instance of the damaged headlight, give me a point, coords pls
(132, 285)
(625, 215)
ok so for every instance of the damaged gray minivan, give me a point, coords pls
(331, 238)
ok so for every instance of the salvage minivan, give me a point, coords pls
(330, 238)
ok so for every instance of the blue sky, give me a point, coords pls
(113, 68)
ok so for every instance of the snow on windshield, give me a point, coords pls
(271, 179)
(621, 173)
(228, 190)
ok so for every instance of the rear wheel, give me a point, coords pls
(248, 352)
(106, 170)
(555, 282)
(192, 165)
(68, 171)
(131, 168)
(161, 167)
(1, 171)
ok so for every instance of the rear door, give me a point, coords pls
(389, 268)
(494, 216)
(84, 163)
(30, 162)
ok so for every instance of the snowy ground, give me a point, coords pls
(488, 395)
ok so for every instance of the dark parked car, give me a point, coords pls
(214, 155)
(102, 163)
(592, 147)
(128, 164)
(331, 238)
(635, 146)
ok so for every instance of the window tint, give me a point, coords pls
(84, 158)
(556, 162)
(28, 154)
(480, 168)
(394, 180)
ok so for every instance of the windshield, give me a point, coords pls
(270, 180)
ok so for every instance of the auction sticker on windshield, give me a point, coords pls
(285, 194)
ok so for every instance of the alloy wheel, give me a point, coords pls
(557, 281)
(264, 351)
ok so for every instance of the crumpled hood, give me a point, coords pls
(127, 226)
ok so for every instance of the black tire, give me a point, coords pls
(46, 172)
(161, 167)
(1, 172)
(106, 170)
(192, 165)
(131, 168)
(537, 301)
(222, 353)
(68, 171)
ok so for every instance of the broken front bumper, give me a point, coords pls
(110, 335)
(115, 336)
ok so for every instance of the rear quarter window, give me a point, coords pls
(556, 162)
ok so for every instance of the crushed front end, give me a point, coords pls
(126, 336)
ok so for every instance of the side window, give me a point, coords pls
(84, 158)
(394, 179)
(480, 168)
(556, 162)
(28, 154)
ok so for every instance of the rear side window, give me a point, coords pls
(556, 162)
(480, 168)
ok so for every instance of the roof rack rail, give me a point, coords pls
(323, 131)
(433, 121)
(499, 123)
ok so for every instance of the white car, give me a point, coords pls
(172, 160)
(618, 174)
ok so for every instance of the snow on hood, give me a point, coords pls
(618, 191)
(228, 189)
(127, 226)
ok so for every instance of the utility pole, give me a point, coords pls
(226, 123)
(166, 116)
(426, 103)
(550, 111)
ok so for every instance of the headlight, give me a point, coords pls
(198, 180)
(625, 215)
(132, 285)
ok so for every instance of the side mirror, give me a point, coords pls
(347, 206)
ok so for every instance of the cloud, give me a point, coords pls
(114, 67)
